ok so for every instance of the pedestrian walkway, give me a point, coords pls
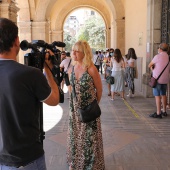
(132, 140)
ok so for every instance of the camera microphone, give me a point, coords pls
(59, 44)
(25, 45)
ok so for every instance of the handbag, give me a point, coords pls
(153, 81)
(66, 78)
(61, 94)
(90, 112)
(110, 79)
(65, 75)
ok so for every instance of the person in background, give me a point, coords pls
(125, 61)
(66, 65)
(105, 61)
(130, 71)
(63, 57)
(117, 64)
(108, 72)
(22, 90)
(157, 65)
(96, 60)
(111, 52)
(101, 57)
(107, 52)
(108, 68)
(168, 88)
(85, 145)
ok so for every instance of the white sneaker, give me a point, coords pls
(129, 95)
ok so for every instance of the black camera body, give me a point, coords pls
(38, 50)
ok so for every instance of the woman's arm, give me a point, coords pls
(123, 64)
(92, 70)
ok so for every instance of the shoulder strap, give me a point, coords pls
(68, 65)
(74, 90)
(96, 60)
(163, 71)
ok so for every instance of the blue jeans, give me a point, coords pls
(38, 164)
(160, 90)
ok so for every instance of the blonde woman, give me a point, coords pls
(85, 145)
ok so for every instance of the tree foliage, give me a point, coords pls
(93, 31)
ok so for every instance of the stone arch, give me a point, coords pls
(58, 22)
(45, 19)
(57, 26)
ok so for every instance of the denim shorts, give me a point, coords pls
(38, 164)
(160, 90)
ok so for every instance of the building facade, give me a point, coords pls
(137, 24)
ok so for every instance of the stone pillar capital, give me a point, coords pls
(8, 9)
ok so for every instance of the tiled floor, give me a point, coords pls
(132, 140)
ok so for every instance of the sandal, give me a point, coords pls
(109, 94)
(168, 107)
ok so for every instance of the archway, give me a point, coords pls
(86, 24)
(45, 19)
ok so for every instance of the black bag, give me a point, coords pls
(110, 79)
(61, 94)
(66, 78)
(90, 113)
(152, 82)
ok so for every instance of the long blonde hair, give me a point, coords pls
(84, 47)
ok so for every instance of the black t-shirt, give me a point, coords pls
(21, 90)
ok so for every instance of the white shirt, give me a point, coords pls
(96, 59)
(64, 64)
(131, 60)
(116, 66)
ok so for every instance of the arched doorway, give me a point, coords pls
(85, 24)
(45, 20)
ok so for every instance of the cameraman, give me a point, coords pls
(22, 88)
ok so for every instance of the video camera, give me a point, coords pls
(36, 58)
(38, 50)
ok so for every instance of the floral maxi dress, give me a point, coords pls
(85, 145)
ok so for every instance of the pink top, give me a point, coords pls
(160, 61)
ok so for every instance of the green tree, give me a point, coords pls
(93, 31)
(69, 41)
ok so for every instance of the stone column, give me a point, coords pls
(24, 34)
(57, 36)
(108, 37)
(121, 35)
(32, 31)
(40, 31)
(153, 39)
(8, 9)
